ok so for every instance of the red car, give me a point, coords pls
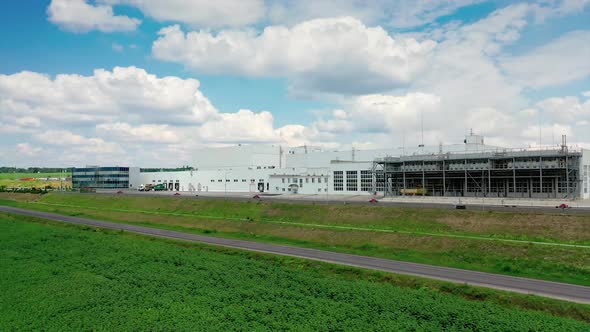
(120, 192)
(563, 206)
(177, 194)
(256, 196)
(373, 200)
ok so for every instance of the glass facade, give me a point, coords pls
(100, 177)
(366, 180)
(338, 180)
(351, 181)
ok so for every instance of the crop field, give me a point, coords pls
(498, 242)
(63, 277)
(11, 180)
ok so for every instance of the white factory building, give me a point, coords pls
(263, 169)
(469, 169)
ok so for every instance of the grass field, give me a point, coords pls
(11, 180)
(58, 277)
(13, 176)
(255, 221)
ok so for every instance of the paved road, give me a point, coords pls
(522, 285)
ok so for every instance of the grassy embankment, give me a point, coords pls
(11, 180)
(464, 239)
(66, 277)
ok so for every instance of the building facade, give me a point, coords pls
(553, 173)
(471, 169)
(102, 177)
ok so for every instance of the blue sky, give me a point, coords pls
(332, 73)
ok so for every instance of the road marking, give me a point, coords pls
(364, 229)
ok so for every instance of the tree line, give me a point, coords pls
(5, 169)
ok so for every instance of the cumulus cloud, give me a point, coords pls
(243, 126)
(28, 149)
(562, 60)
(333, 55)
(456, 77)
(65, 138)
(80, 16)
(567, 109)
(161, 134)
(222, 13)
(200, 13)
(115, 115)
(127, 93)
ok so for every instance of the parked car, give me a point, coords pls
(177, 194)
(563, 206)
(373, 200)
(120, 192)
(256, 196)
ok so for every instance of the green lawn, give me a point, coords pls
(251, 221)
(570, 229)
(58, 277)
(15, 176)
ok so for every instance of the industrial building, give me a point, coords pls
(472, 169)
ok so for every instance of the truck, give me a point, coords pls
(160, 187)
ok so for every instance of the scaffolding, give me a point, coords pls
(551, 173)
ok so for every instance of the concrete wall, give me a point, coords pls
(305, 181)
(229, 179)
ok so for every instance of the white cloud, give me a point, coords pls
(80, 16)
(161, 134)
(129, 94)
(560, 61)
(383, 85)
(332, 55)
(564, 110)
(27, 149)
(243, 126)
(239, 13)
(200, 13)
(389, 113)
(65, 138)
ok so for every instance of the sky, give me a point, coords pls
(147, 82)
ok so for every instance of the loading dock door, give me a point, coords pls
(261, 187)
(177, 186)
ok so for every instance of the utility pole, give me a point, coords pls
(421, 130)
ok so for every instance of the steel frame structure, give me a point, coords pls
(512, 174)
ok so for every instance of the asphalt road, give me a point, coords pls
(556, 290)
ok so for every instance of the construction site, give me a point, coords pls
(471, 169)
(498, 173)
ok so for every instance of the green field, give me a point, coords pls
(464, 239)
(14, 176)
(61, 277)
(11, 180)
